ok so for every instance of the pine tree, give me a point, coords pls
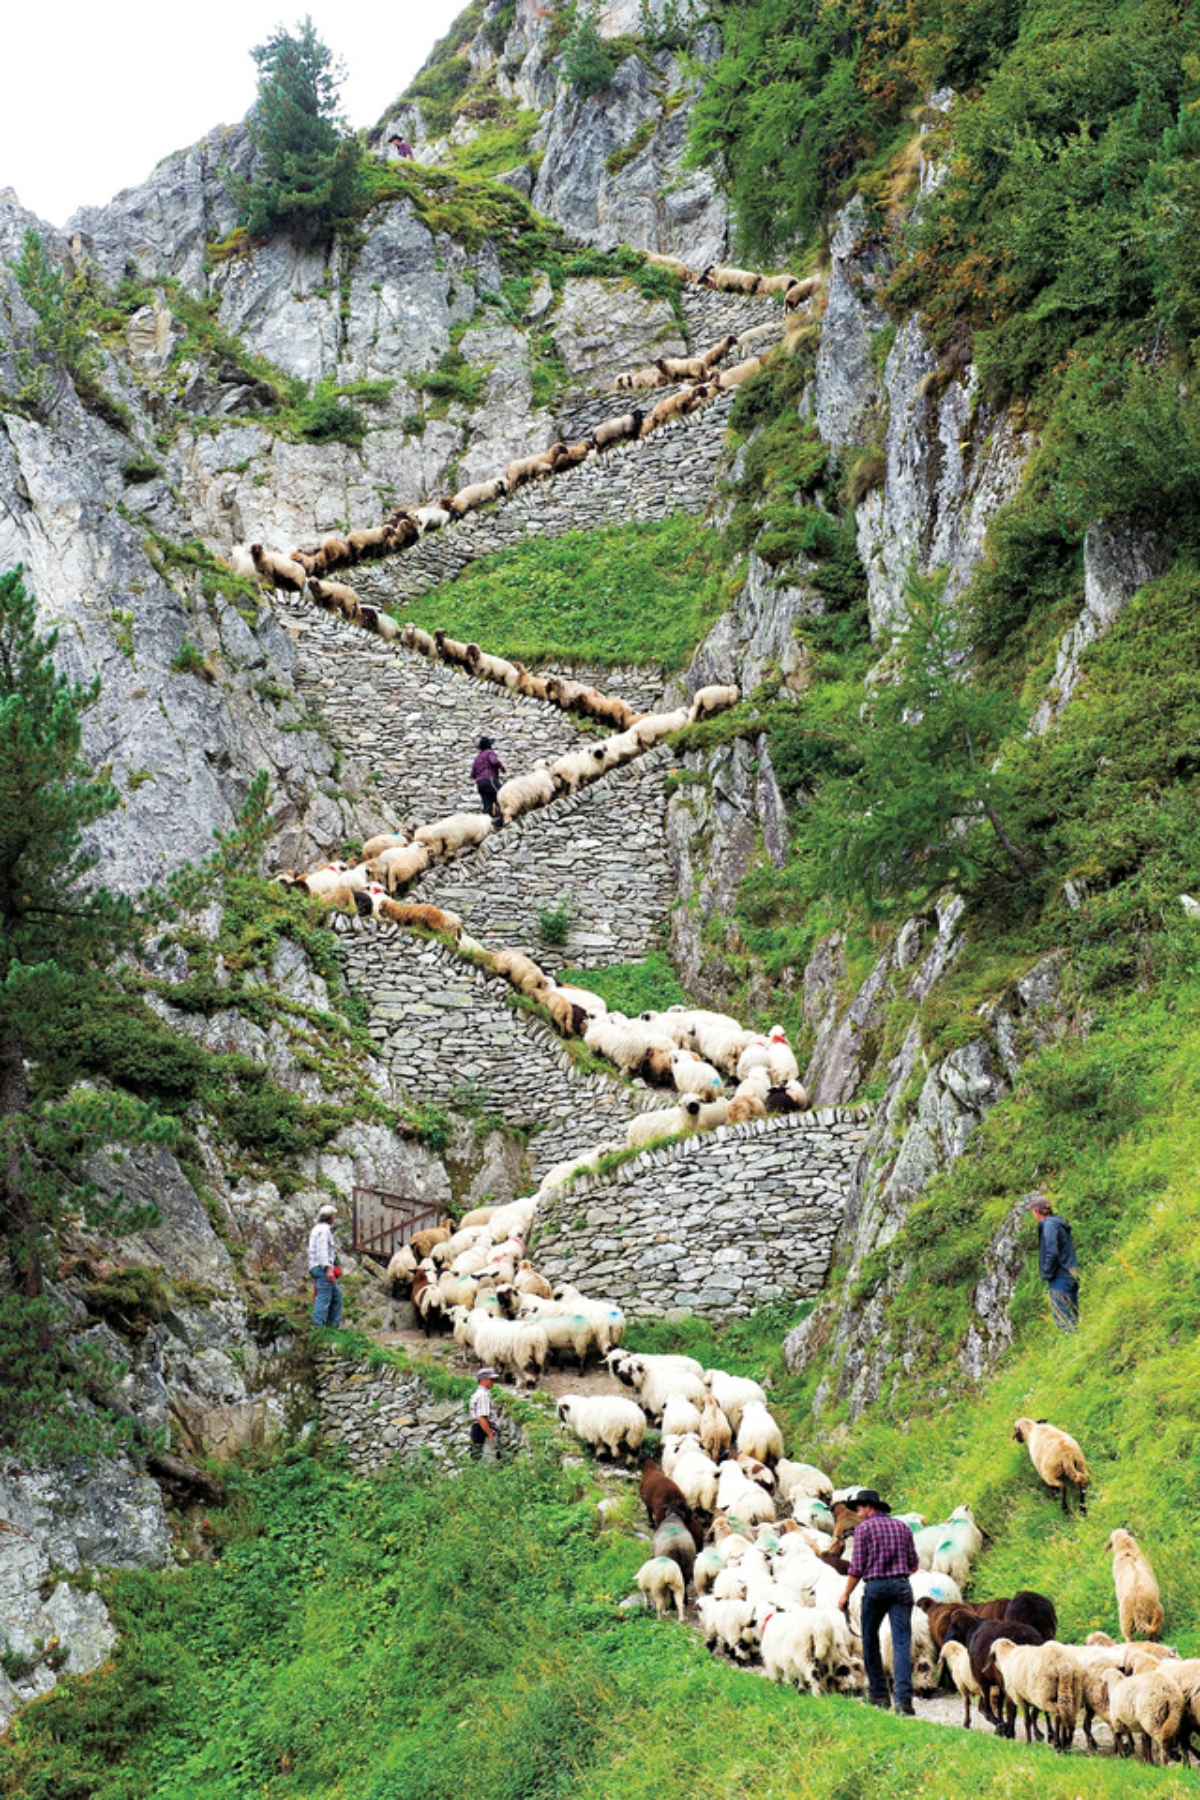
(308, 173)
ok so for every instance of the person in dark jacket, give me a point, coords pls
(486, 771)
(1057, 1264)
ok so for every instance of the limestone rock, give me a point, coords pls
(1117, 561)
(151, 337)
(402, 303)
(846, 386)
(282, 298)
(599, 330)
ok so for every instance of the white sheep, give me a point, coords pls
(742, 1498)
(562, 1173)
(708, 1566)
(570, 1334)
(680, 1416)
(577, 767)
(403, 864)
(731, 1624)
(673, 1121)
(524, 792)
(651, 728)
(798, 1647)
(696, 1475)
(962, 1528)
(800, 1478)
(453, 833)
(1056, 1457)
(758, 1435)
(513, 1219)
(1041, 1678)
(949, 1559)
(607, 1320)
(1150, 1704)
(691, 1075)
(1138, 1605)
(662, 1580)
(957, 1659)
(715, 699)
(732, 1392)
(712, 1113)
(716, 1433)
(655, 1379)
(604, 1422)
(781, 1063)
(591, 1004)
(520, 1346)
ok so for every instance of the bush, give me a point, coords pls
(554, 925)
(587, 64)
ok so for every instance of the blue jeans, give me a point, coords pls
(891, 1598)
(327, 1306)
(1064, 1301)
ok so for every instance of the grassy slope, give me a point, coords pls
(629, 594)
(416, 1640)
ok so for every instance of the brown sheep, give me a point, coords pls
(682, 368)
(449, 649)
(375, 539)
(729, 280)
(1138, 1605)
(413, 638)
(523, 972)
(534, 686)
(674, 264)
(337, 598)
(386, 840)
(336, 552)
(279, 571)
(480, 494)
(776, 284)
(719, 351)
(607, 708)
(573, 454)
(638, 379)
(404, 529)
(533, 468)
(674, 406)
(800, 291)
(433, 918)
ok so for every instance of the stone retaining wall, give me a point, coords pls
(670, 472)
(384, 1412)
(719, 1224)
(451, 1033)
(602, 849)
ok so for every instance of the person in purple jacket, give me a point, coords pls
(486, 771)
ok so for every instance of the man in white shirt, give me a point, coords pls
(483, 1415)
(324, 1269)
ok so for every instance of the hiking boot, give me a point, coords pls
(904, 1709)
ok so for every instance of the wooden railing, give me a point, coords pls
(381, 1223)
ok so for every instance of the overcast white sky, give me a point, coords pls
(98, 91)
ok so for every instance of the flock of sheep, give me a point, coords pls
(765, 1544)
(305, 569)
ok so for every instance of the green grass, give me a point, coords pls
(417, 1638)
(628, 594)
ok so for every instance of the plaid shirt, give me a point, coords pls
(884, 1549)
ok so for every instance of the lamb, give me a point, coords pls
(607, 1423)
(625, 425)
(1056, 1457)
(691, 1075)
(403, 864)
(1150, 1704)
(662, 1581)
(454, 833)
(744, 1107)
(716, 1433)
(728, 280)
(730, 1623)
(791, 1098)
(733, 1393)
(733, 378)
(478, 494)
(278, 571)
(431, 518)
(524, 792)
(709, 700)
(672, 1121)
(758, 1434)
(413, 638)
(1138, 1605)
(957, 1659)
(337, 598)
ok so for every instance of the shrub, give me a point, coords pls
(554, 924)
(587, 63)
(189, 659)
